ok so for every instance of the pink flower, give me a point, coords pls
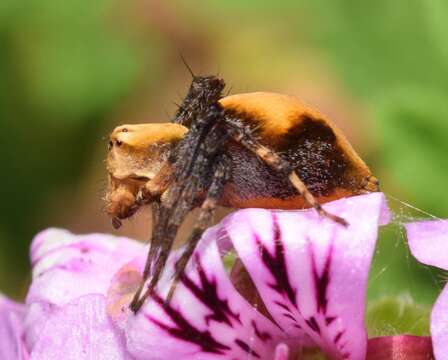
(311, 275)
(11, 330)
(428, 241)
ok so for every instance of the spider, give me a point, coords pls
(249, 150)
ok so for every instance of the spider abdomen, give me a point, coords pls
(315, 148)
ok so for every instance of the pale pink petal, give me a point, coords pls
(80, 330)
(66, 266)
(206, 319)
(439, 326)
(281, 352)
(36, 316)
(11, 327)
(121, 291)
(428, 241)
(311, 272)
(400, 347)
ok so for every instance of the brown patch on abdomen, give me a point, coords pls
(312, 149)
(314, 152)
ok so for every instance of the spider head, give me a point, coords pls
(136, 154)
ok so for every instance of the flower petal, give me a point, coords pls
(36, 316)
(428, 241)
(123, 286)
(206, 319)
(439, 326)
(402, 347)
(281, 352)
(11, 327)
(80, 330)
(66, 266)
(311, 272)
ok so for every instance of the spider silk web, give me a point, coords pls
(397, 277)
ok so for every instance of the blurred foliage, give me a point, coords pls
(397, 315)
(67, 67)
(62, 69)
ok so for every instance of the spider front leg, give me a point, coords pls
(177, 203)
(169, 217)
(206, 213)
(153, 192)
(195, 159)
(243, 136)
(157, 188)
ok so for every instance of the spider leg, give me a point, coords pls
(155, 206)
(207, 210)
(243, 136)
(169, 218)
(161, 215)
(196, 159)
(179, 202)
(205, 91)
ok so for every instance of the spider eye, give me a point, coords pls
(124, 130)
(118, 142)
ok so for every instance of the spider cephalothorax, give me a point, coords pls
(249, 150)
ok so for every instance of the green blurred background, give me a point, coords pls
(71, 71)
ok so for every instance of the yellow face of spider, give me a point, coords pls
(136, 154)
